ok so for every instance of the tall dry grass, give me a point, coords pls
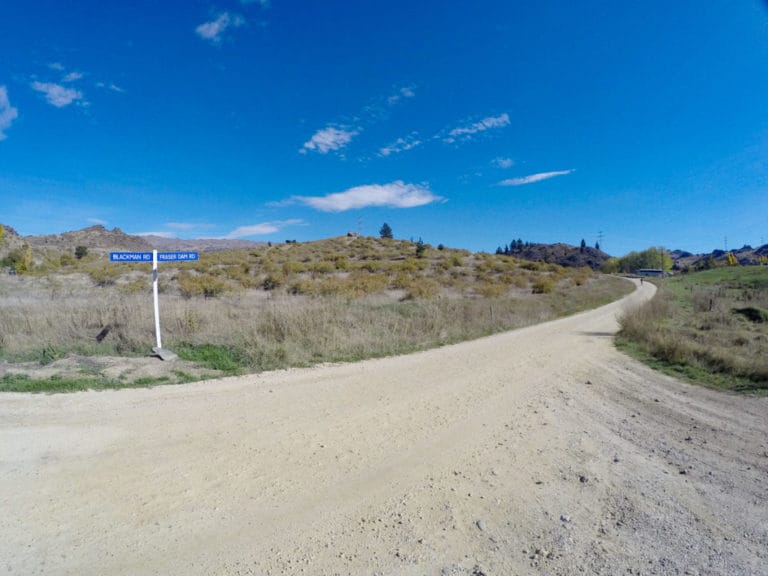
(706, 330)
(41, 318)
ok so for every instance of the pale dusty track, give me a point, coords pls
(538, 451)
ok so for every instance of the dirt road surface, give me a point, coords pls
(538, 451)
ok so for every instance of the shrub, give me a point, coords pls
(206, 285)
(421, 289)
(492, 289)
(272, 281)
(543, 285)
(104, 276)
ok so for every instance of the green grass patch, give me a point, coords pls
(227, 359)
(707, 327)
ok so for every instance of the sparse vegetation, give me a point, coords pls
(284, 305)
(652, 258)
(709, 326)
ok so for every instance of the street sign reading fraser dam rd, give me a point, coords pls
(155, 257)
(147, 256)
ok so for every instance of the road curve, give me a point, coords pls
(542, 450)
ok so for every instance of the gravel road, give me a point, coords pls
(538, 451)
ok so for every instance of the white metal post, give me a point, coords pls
(154, 293)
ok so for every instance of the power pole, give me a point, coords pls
(600, 240)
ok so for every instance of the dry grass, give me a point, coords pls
(711, 326)
(288, 305)
(45, 320)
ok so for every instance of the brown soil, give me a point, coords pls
(538, 451)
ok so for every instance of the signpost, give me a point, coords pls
(155, 257)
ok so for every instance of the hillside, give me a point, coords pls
(746, 256)
(98, 239)
(561, 254)
(200, 244)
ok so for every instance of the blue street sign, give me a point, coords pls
(176, 256)
(130, 256)
(147, 256)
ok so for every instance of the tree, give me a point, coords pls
(583, 246)
(420, 248)
(597, 245)
(385, 231)
(80, 252)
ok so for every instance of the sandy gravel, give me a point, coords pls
(538, 451)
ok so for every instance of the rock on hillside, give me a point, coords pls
(95, 238)
(11, 240)
(562, 254)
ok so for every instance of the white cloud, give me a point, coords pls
(501, 162)
(215, 29)
(72, 77)
(186, 225)
(466, 132)
(401, 145)
(58, 95)
(264, 3)
(160, 234)
(533, 178)
(96, 221)
(393, 195)
(262, 229)
(404, 92)
(328, 139)
(112, 87)
(56, 66)
(7, 112)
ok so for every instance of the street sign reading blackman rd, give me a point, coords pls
(155, 257)
(147, 256)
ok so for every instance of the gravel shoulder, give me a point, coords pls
(537, 451)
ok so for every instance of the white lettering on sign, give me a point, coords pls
(130, 256)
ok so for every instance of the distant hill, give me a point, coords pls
(95, 238)
(562, 254)
(746, 256)
(99, 239)
(200, 244)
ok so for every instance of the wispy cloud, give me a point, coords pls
(329, 139)
(72, 77)
(58, 95)
(501, 162)
(401, 145)
(262, 228)
(213, 31)
(162, 234)
(96, 221)
(396, 194)
(264, 3)
(187, 225)
(112, 87)
(467, 132)
(404, 92)
(530, 179)
(7, 112)
(338, 134)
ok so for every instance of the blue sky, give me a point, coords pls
(467, 124)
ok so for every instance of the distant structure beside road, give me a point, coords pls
(650, 272)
